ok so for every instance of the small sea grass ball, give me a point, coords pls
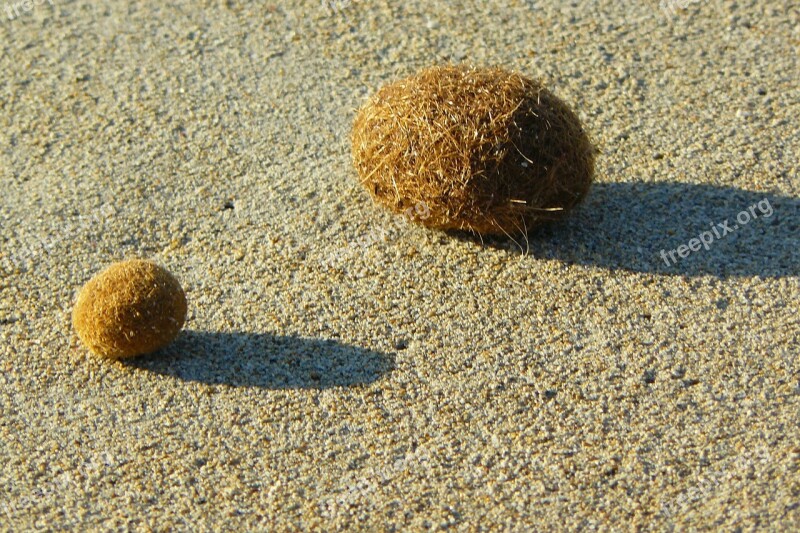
(131, 308)
(484, 149)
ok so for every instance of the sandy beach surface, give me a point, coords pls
(343, 369)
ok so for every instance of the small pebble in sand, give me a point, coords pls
(131, 308)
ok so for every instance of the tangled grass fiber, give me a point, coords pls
(486, 149)
(131, 308)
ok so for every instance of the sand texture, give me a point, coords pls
(344, 369)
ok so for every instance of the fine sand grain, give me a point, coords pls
(341, 368)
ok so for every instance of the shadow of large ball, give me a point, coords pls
(484, 149)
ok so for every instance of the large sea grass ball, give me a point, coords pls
(131, 308)
(484, 149)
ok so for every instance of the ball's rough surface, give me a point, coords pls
(131, 308)
(486, 150)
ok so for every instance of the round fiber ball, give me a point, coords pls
(484, 149)
(130, 308)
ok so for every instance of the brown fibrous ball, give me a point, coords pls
(131, 308)
(484, 149)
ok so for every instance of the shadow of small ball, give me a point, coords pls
(484, 149)
(131, 308)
